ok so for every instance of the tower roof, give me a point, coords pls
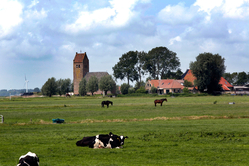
(79, 57)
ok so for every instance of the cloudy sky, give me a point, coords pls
(39, 38)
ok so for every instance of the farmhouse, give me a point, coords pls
(81, 70)
(165, 86)
(226, 86)
(176, 86)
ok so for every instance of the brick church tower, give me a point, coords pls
(80, 69)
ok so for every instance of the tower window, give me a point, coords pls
(77, 66)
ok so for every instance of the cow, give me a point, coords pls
(102, 141)
(30, 159)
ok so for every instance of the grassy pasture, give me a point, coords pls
(184, 131)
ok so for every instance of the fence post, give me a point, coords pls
(2, 118)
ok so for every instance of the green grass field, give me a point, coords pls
(184, 131)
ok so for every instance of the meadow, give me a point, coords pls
(184, 131)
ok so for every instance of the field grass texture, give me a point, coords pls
(184, 131)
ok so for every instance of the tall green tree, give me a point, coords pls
(126, 67)
(242, 78)
(159, 60)
(172, 75)
(92, 85)
(141, 56)
(106, 83)
(63, 86)
(82, 87)
(50, 87)
(208, 69)
(124, 88)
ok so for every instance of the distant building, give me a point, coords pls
(165, 86)
(226, 86)
(81, 70)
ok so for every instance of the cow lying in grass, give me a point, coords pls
(29, 159)
(102, 141)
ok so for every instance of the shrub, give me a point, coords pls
(141, 90)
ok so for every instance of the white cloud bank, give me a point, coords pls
(40, 38)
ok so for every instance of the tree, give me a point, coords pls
(92, 84)
(172, 75)
(82, 87)
(208, 69)
(106, 83)
(242, 78)
(153, 89)
(139, 66)
(126, 68)
(159, 60)
(139, 85)
(50, 87)
(187, 83)
(141, 90)
(231, 78)
(37, 90)
(124, 88)
(63, 86)
(185, 90)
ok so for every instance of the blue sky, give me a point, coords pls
(39, 39)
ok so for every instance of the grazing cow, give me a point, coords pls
(106, 103)
(30, 159)
(68, 95)
(160, 101)
(102, 141)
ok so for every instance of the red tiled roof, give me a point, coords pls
(225, 85)
(154, 83)
(79, 57)
(167, 84)
(224, 82)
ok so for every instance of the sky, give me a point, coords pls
(39, 38)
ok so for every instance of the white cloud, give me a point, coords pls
(207, 6)
(33, 3)
(10, 11)
(178, 14)
(229, 8)
(34, 14)
(117, 15)
(175, 39)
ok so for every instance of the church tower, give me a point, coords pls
(80, 69)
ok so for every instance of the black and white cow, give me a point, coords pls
(29, 159)
(102, 141)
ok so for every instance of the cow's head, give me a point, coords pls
(28, 160)
(117, 141)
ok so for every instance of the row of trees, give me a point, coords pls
(159, 62)
(235, 78)
(106, 83)
(53, 86)
(162, 63)
(63, 86)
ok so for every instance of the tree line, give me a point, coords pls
(159, 63)
(63, 86)
(236, 78)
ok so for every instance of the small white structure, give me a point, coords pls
(1, 118)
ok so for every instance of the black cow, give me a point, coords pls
(30, 159)
(102, 141)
